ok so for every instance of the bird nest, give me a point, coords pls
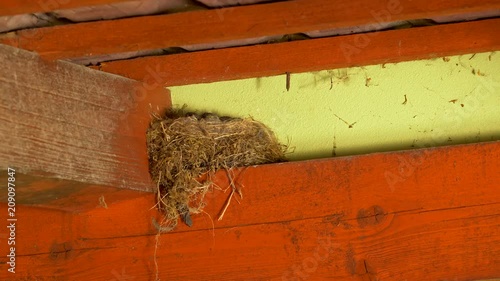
(183, 147)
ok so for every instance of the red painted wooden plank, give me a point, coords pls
(316, 54)
(14, 7)
(211, 26)
(387, 216)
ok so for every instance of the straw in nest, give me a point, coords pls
(182, 147)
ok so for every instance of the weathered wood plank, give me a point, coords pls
(316, 54)
(58, 206)
(15, 7)
(431, 214)
(71, 122)
(220, 25)
(459, 244)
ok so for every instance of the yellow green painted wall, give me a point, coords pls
(367, 109)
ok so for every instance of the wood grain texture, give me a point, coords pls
(219, 25)
(15, 7)
(71, 122)
(316, 54)
(431, 214)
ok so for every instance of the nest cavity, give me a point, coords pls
(183, 147)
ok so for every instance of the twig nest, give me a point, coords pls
(182, 147)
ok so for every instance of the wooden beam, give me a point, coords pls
(219, 25)
(316, 54)
(15, 7)
(381, 216)
(71, 122)
(66, 195)
(58, 207)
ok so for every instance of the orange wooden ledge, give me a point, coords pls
(431, 214)
(314, 54)
(14, 7)
(220, 25)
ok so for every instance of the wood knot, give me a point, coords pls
(371, 216)
(60, 250)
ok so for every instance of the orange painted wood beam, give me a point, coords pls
(219, 25)
(388, 216)
(15, 7)
(67, 121)
(315, 54)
